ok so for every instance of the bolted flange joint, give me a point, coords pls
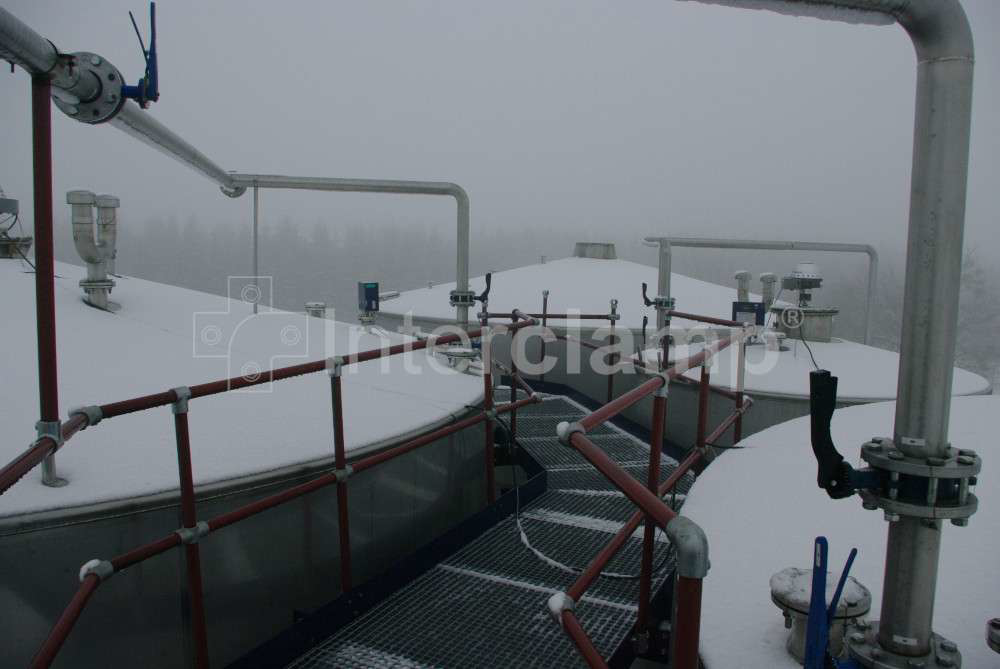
(462, 298)
(92, 413)
(102, 569)
(558, 603)
(183, 394)
(192, 535)
(565, 431)
(664, 303)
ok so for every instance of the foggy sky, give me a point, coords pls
(651, 117)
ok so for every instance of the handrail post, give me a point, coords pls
(613, 342)
(653, 483)
(189, 523)
(741, 371)
(488, 408)
(513, 375)
(703, 406)
(545, 324)
(340, 462)
(691, 545)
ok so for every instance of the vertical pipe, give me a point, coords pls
(703, 406)
(649, 532)
(686, 628)
(613, 360)
(488, 423)
(545, 324)
(663, 282)
(741, 371)
(462, 254)
(340, 462)
(45, 301)
(256, 252)
(513, 384)
(189, 520)
(872, 287)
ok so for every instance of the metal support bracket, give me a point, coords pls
(180, 405)
(192, 535)
(100, 568)
(565, 431)
(50, 429)
(92, 413)
(462, 298)
(559, 602)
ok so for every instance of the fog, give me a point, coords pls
(563, 120)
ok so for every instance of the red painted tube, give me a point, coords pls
(582, 317)
(645, 499)
(15, 470)
(513, 373)
(60, 631)
(261, 505)
(519, 381)
(649, 533)
(491, 493)
(192, 554)
(612, 341)
(340, 461)
(583, 643)
(616, 406)
(144, 552)
(715, 390)
(704, 319)
(582, 342)
(703, 406)
(545, 324)
(45, 300)
(441, 433)
(686, 624)
(139, 404)
(728, 422)
(738, 428)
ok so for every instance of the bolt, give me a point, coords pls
(935, 462)
(95, 60)
(895, 455)
(72, 111)
(869, 505)
(111, 76)
(891, 517)
(914, 663)
(948, 646)
(946, 661)
(973, 480)
(967, 452)
(112, 97)
(966, 460)
(873, 447)
(857, 637)
(960, 522)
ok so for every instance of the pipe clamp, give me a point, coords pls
(92, 414)
(191, 535)
(558, 603)
(565, 431)
(183, 394)
(343, 474)
(51, 429)
(334, 366)
(100, 568)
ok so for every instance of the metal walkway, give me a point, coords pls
(485, 605)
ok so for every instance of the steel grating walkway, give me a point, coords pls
(485, 605)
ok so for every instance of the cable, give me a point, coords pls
(803, 338)
(657, 568)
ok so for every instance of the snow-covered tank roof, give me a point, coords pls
(588, 284)
(149, 346)
(764, 496)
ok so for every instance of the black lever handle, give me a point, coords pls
(645, 298)
(833, 474)
(485, 295)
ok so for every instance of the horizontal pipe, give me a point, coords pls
(141, 125)
(379, 458)
(146, 551)
(646, 500)
(588, 651)
(60, 631)
(582, 317)
(622, 402)
(704, 319)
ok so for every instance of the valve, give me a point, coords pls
(148, 88)
(834, 474)
(660, 302)
(818, 654)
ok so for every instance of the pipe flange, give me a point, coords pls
(97, 284)
(109, 99)
(663, 303)
(565, 431)
(863, 647)
(882, 454)
(462, 298)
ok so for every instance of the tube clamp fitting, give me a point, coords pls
(664, 390)
(92, 413)
(335, 366)
(100, 568)
(343, 474)
(565, 431)
(691, 544)
(558, 603)
(183, 394)
(51, 429)
(192, 535)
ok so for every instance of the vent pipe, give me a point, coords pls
(767, 281)
(742, 285)
(107, 228)
(96, 249)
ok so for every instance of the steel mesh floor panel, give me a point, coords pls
(485, 605)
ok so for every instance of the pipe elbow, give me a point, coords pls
(691, 544)
(457, 192)
(939, 29)
(233, 191)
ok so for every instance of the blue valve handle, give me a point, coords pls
(148, 88)
(820, 616)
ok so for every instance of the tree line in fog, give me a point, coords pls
(324, 261)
